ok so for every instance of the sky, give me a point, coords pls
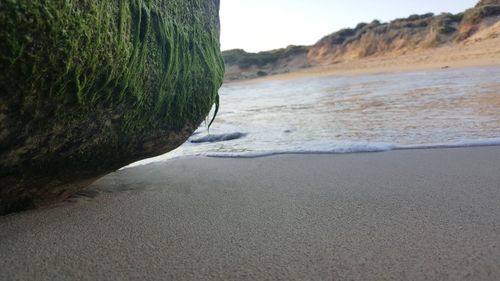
(259, 25)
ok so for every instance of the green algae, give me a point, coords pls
(91, 52)
(88, 86)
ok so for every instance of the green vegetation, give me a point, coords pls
(111, 52)
(475, 15)
(245, 60)
(455, 17)
(261, 73)
(87, 86)
(366, 39)
(446, 24)
(425, 31)
(472, 17)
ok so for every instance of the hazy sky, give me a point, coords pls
(257, 25)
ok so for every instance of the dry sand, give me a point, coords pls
(400, 215)
(480, 50)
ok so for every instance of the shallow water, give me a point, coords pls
(355, 113)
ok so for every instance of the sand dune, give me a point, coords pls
(480, 52)
(418, 42)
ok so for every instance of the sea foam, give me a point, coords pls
(340, 147)
(316, 147)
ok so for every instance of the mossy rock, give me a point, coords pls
(88, 86)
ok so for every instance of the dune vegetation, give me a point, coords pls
(397, 37)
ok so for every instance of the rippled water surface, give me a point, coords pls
(355, 113)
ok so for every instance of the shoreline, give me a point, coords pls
(323, 153)
(331, 70)
(493, 142)
(471, 54)
(405, 214)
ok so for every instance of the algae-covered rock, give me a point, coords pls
(88, 86)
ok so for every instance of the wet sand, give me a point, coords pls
(401, 215)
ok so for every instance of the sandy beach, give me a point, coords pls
(400, 215)
(476, 51)
(249, 140)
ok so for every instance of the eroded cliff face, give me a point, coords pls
(404, 35)
(488, 3)
(398, 37)
(376, 38)
(87, 87)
